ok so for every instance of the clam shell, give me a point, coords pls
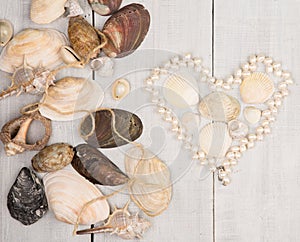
(68, 55)
(105, 7)
(252, 114)
(69, 97)
(26, 200)
(219, 106)
(6, 31)
(96, 167)
(257, 88)
(126, 30)
(53, 157)
(67, 192)
(215, 139)
(128, 126)
(37, 46)
(120, 89)
(151, 188)
(237, 129)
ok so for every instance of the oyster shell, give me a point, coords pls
(70, 98)
(6, 31)
(105, 7)
(38, 46)
(237, 129)
(126, 30)
(67, 192)
(96, 167)
(252, 114)
(257, 88)
(53, 157)
(219, 106)
(26, 200)
(215, 139)
(99, 130)
(120, 89)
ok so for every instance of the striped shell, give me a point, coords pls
(257, 88)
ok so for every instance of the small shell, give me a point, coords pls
(120, 89)
(53, 158)
(103, 65)
(219, 106)
(252, 114)
(257, 88)
(6, 31)
(105, 7)
(68, 55)
(214, 139)
(237, 129)
(72, 9)
(180, 90)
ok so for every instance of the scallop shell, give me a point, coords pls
(69, 97)
(252, 114)
(68, 55)
(67, 192)
(120, 89)
(37, 46)
(6, 31)
(237, 129)
(105, 7)
(219, 106)
(215, 139)
(53, 157)
(180, 90)
(257, 88)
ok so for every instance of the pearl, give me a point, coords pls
(175, 59)
(187, 57)
(274, 110)
(260, 57)
(271, 119)
(252, 59)
(259, 130)
(289, 81)
(278, 102)
(265, 123)
(226, 181)
(161, 110)
(156, 71)
(245, 66)
(278, 73)
(266, 113)
(271, 102)
(243, 148)
(212, 80)
(269, 69)
(226, 86)
(244, 141)
(238, 73)
(276, 65)
(219, 83)
(205, 71)
(267, 130)
(284, 92)
(282, 85)
(246, 73)
(229, 80)
(222, 174)
(164, 71)
(268, 61)
(154, 78)
(149, 82)
(277, 95)
(233, 162)
(201, 155)
(286, 75)
(252, 137)
(197, 61)
(235, 148)
(237, 81)
(260, 137)
(252, 67)
(250, 145)
(230, 155)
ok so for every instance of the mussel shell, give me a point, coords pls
(96, 167)
(105, 7)
(126, 30)
(128, 126)
(26, 200)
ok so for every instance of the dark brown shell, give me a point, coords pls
(126, 30)
(127, 124)
(96, 167)
(105, 7)
(83, 37)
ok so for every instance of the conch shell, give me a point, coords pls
(105, 7)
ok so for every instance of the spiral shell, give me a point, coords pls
(105, 7)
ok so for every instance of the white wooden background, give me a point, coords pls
(263, 202)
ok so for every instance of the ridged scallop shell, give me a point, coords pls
(215, 139)
(252, 114)
(53, 157)
(151, 188)
(6, 31)
(219, 106)
(257, 88)
(105, 7)
(180, 90)
(126, 30)
(67, 99)
(120, 89)
(38, 46)
(67, 192)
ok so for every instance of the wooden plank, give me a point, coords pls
(263, 202)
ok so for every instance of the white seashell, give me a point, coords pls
(257, 88)
(37, 46)
(72, 9)
(214, 139)
(6, 31)
(252, 114)
(237, 129)
(191, 122)
(67, 192)
(69, 98)
(68, 55)
(103, 65)
(180, 90)
(120, 89)
(219, 106)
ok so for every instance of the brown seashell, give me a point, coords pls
(96, 167)
(100, 131)
(105, 7)
(53, 157)
(126, 30)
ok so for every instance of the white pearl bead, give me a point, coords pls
(267, 130)
(260, 137)
(269, 69)
(271, 102)
(226, 86)
(229, 80)
(268, 61)
(271, 119)
(261, 57)
(252, 67)
(278, 73)
(233, 162)
(197, 61)
(149, 82)
(163, 71)
(286, 75)
(156, 71)
(266, 113)
(278, 102)
(161, 110)
(235, 148)
(219, 83)
(252, 59)
(282, 85)
(246, 74)
(250, 145)
(222, 174)
(276, 65)
(230, 155)
(243, 148)
(154, 78)
(245, 67)
(274, 110)
(284, 92)
(265, 123)
(226, 164)
(289, 81)
(252, 137)
(237, 155)
(226, 181)
(238, 73)
(175, 128)
(259, 130)
(237, 81)
(244, 141)
(201, 155)
(167, 65)
(187, 57)
(212, 80)
(205, 71)
(175, 59)
(277, 95)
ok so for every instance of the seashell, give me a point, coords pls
(215, 139)
(104, 128)
(122, 223)
(219, 106)
(72, 9)
(252, 114)
(6, 31)
(103, 65)
(257, 88)
(120, 89)
(126, 30)
(68, 55)
(105, 7)
(70, 98)
(151, 188)
(237, 129)
(96, 167)
(14, 134)
(38, 46)
(53, 157)
(191, 122)
(26, 200)
(180, 90)
(67, 192)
